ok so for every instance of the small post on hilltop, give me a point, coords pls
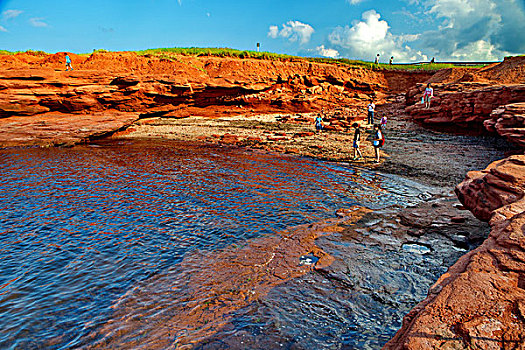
(258, 46)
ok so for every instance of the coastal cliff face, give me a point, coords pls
(489, 99)
(39, 98)
(480, 302)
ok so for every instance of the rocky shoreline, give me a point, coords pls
(478, 303)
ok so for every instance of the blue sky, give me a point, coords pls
(410, 30)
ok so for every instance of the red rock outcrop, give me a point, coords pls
(35, 86)
(480, 302)
(508, 121)
(467, 97)
(463, 105)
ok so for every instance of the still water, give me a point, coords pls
(80, 227)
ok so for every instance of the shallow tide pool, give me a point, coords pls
(81, 227)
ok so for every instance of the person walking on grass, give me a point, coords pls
(318, 123)
(376, 61)
(378, 140)
(391, 62)
(371, 110)
(68, 63)
(429, 93)
(357, 140)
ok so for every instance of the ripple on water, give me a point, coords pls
(80, 227)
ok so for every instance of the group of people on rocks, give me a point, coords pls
(378, 138)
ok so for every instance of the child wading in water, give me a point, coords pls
(357, 140)
(378, 141)
(319, 123)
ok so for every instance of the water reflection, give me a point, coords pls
(80, 227)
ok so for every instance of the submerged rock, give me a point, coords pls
(479, 302)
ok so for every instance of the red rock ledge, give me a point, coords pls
(480, 302)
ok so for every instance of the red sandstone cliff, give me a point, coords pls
(39, 98)
(467, 98)
(480, 302)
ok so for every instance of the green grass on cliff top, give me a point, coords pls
(170, 53)
(174, 54)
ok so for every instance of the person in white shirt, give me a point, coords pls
(429, 93)
(371, 110)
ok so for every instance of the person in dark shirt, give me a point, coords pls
(378, 140)
(357, 140)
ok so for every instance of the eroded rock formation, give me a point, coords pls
(129, 86)
(474, 99)
(508, 121)
(480, 302)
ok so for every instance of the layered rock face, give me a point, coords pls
(476, 99)
(480, 302)
(128, 86)
(508, 121)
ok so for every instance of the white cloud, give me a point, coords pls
(477, 51)
(475, 29)
(37, 22)
(9, 14)
(332, 53)
(293, 31)
(364, 39)
(273, 32)
(354, 2)
(2, 29)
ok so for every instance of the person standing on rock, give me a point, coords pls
(383, 122)
(371, 110)
(319, 123)
(429, 93)
(357, 140)
(68, 63)
(378, 140)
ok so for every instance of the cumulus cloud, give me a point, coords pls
(9, 14)
(365, 38)
(37, 22)
(326, 52)
(479, 51)
(2, 29)
(293, 31)
(474, 29)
